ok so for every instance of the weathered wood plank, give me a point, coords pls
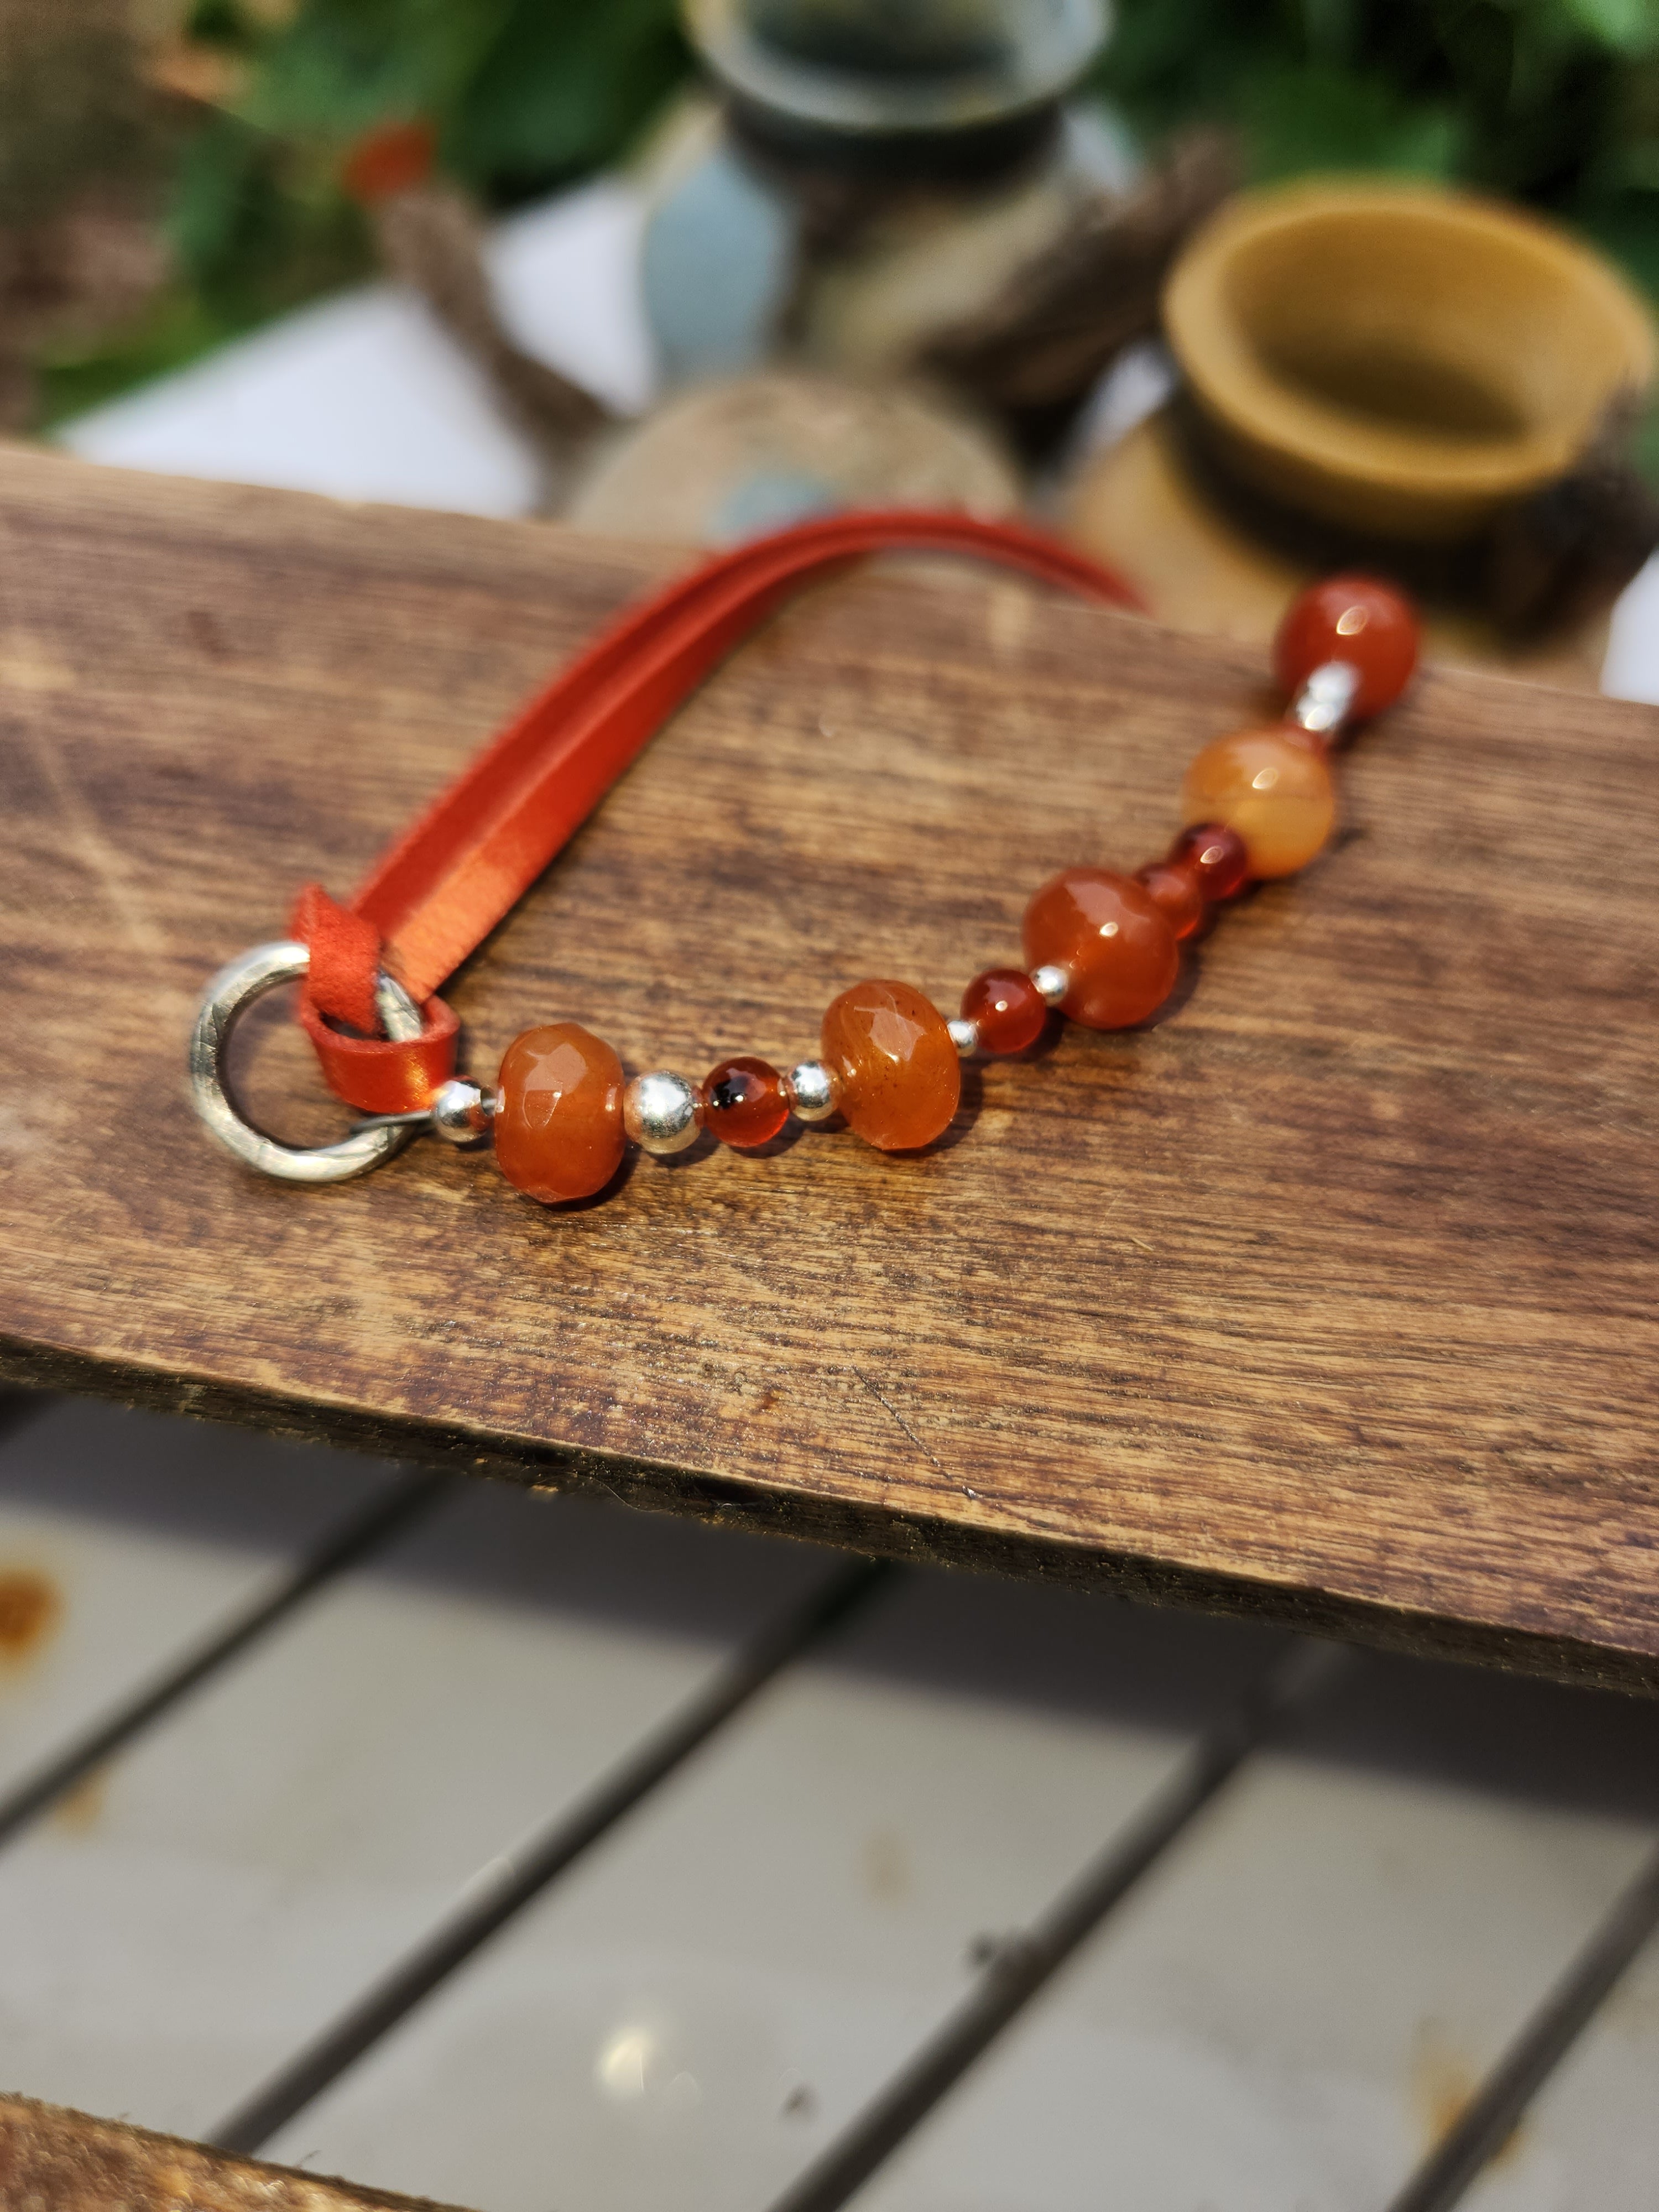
(1332, 1295)
(53, 2161)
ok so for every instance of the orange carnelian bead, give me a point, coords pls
(1356, 619)
(1114, 940)
(559, 1112)
(1006, 1008)
(1272, 788)
(1174, 884)
(900, 1074)
(743, 1102)
(1217, 857)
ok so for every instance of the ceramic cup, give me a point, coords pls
(1398, 358)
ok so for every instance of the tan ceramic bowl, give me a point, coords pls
(1398, 358)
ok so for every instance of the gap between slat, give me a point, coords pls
(1491, 2116)
(493, 1903)
(1022, 1967)
(364, 1534)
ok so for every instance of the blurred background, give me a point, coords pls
(695, 271)
(172, 175)
(940, 1893)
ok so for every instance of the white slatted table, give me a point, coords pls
(1300, 1958)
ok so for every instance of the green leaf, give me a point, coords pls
(562, 86)
(343, 66)
(1627, 27)
(1323, 119)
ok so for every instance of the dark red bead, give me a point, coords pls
(1006, 1008)
(1217, 857)
(1174, 885)
(743, 1102)
(1352, 618)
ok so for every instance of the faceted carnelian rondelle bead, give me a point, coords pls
(1174, 884)
(559, 1112)
(900, 1074)
(1006, 1008)
(1113, 938)
(743, 1102)
(1217, 857)
(1271, 786)
(1356, 619)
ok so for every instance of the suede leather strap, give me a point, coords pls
(439, 890)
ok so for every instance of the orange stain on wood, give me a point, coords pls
(1443, 2086)
(31, 1606)
(80, 1810)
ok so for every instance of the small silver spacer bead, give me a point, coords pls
(461, 1112)
(964, 1036)
(660, 1111)
(1322, 704)
(1051, 983)
(811, 1089)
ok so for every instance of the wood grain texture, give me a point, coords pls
(1331, 1295)
(54, 2160)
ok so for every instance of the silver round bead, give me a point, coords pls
(1051, 983)
(1326, 699)
(660, 1111)
(811, 1089)
(964, 1035)
(461, 1112)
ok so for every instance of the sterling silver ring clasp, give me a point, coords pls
(228, 996)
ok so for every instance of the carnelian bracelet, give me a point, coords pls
(1101, 947)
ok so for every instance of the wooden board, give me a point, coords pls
(1329, 1297)
(53, 2161)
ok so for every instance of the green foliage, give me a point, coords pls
(561, 88)
(1556, 101)
(524, 94)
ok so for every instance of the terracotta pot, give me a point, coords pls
(1397, 357)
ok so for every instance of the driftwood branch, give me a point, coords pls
(1066, 316)
(432, 237)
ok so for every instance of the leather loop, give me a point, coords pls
(376, 1076)
(439, 890)
(345, 952)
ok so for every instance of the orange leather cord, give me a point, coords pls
(439, 890)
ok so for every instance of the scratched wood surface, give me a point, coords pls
(54, 2160)
(1330, 1295)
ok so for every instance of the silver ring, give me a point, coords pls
(227, 997)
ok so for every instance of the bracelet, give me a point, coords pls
(1101, 948)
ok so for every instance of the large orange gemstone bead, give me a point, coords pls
(559, 1112)
(1113, 938)
(900, 1074)
(1356, 619)
(1273, 787)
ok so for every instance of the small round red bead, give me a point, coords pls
(1006, 1008)
(1217, 857)
(743, 1102)
(1356, 619)
(1174, 885)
